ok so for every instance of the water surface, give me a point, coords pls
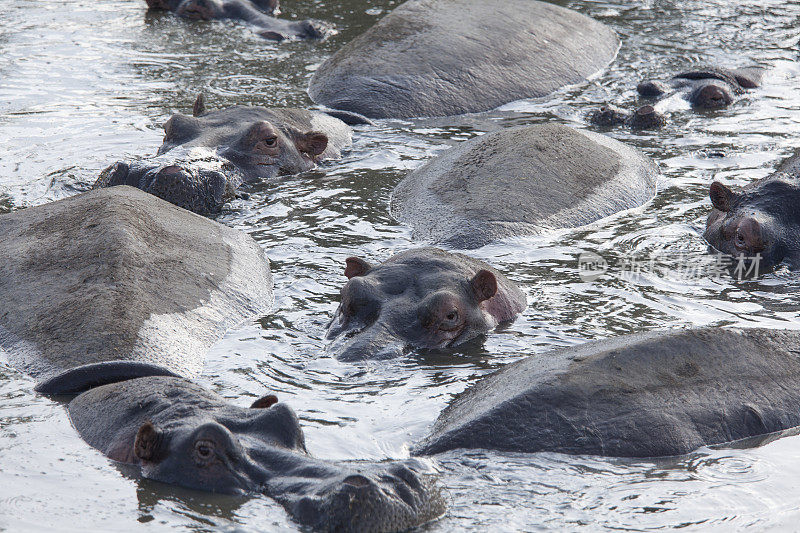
(86, 82)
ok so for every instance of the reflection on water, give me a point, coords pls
(87, 82)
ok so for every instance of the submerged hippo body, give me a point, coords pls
(761, 222)
(255, 12)
(424, 298)
(646, 395)
(206, 157)
(448, 57)
(115, 283)
(182, 434)
(521, 181)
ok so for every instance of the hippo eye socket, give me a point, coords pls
(204, 450)
(450, 321)
(271, 141)
(740, 241)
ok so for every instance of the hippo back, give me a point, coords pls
(521, 181)
(121, 279)
(646, 395)
(447, 57)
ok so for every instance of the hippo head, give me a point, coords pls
(710, 94)
(201, 9)
(205, 157)
(180, 433)
(418, 299)
(760, 223)
(223, 456)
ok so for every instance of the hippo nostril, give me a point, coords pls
(171, 170)
(356, 480)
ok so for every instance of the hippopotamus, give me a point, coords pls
(205, 157)
(118, 283)
(521, 181)
(180, 433)
(448, 57)
(654, 394)
(760, 223)
(704, 88)
(255, 12)
(421, 298)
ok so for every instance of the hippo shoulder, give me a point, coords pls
(522, 181)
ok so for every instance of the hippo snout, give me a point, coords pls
(201, 191)
(711, 96)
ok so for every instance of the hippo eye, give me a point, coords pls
(450, 321)
(740, 242)
(270, 141)
(204, 450)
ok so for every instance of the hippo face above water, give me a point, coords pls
(763, 220)
(205, 157)
(183, 434)
(424, 298)
(709, 88)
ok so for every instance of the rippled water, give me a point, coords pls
(87, 82)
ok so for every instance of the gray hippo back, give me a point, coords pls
(448, 57)
(521, 181)
(109, 284)
(654, 394)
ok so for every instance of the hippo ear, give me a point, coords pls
(199, 106)
(484, 285)
(265, 402)
(356, 267)
(149, 443)
(721, 196)
(312, 142)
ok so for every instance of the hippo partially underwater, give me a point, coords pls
(422, 298)
(448, 57)
(181, 433)
(115, 282)
(760, 223)
(654, 394)
(255, 12)
(703, 88)
(118, 295)
(206, 157)
(521, 181)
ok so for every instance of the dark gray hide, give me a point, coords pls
(123, 282)
(655, 394)
(204, 158)
(705, 88)
(761, 220)
(447, 57)
(180, 433)
(521, 181)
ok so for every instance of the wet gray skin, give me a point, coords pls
(708, 88)
(423, 298)
(255, 12)
(183, 434)
(644, 118)
(761, 222)
(205, 157)
(654, 394)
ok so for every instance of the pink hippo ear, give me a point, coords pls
(721, 196)
(265, 402)
(312, 143)
(199, 106)
(484, 285)
(356, 267)
(149, 444)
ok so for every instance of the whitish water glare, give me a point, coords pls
(87, 82)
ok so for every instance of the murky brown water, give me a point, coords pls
(87, 82)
